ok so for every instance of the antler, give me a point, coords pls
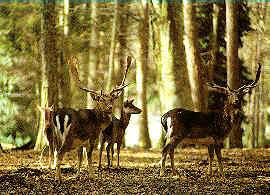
(115, 93)
(254, 83)
(73, 63)
(219, 88)
(123, 85)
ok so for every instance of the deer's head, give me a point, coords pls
(48, 113)
(130, 108)
(234, 96)
(104, 101)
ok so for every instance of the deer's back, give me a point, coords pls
(190, 124)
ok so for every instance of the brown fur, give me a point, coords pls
(85, 128)
(115, 132)
(210, 128)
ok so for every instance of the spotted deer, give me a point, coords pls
(209, 128)
(115, 132)
(75, 129)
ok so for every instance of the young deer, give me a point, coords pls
(210, 128)
(115, 132)
(77, 129)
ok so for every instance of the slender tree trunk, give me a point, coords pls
(64, 85)
(167, 84)
(182, 91)
(49, 59)
(111, 76)
(198, 90)
(214, 43)
(122, 54)
(50, 49)
(141, 76)
(233, 67)
(91, 70)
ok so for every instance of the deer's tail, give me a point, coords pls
(62, 123)
(164, 121)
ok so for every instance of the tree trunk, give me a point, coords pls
(91, 69)
(111, 76)
(141, 76)
(64, 85)
(122, 54)
(49, 57)
(182, 91)
(50, 50)
(214, 43)
(233, 67)
(198, 90)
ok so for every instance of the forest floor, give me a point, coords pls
(246, 171)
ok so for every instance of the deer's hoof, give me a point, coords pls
(175, 173)
(58, 178)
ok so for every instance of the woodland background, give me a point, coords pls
(178, 47)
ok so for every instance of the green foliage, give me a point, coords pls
(19, 33)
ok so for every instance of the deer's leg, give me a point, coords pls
(51, 156)
(118, 153)
(211, 157)
(169, 147)
(108, 147)
(59, 158)
(163, 158)
(100, 152)
(80, 157)
(90, 149)
(174, 142)
(219, 157)
(112, 153)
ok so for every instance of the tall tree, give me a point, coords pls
(92, 63)
(49, 82)
(64, 86)
(233, 66)
(196, 76)
(111, 76)
(174, 86)
(141, 74)
(180, 72)
(214, 42)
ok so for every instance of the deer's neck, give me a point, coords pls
(124, 119)
(231, 113)
(103, 118)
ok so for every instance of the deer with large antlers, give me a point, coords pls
(208, 128)
(75, 129)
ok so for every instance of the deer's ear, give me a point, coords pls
(51, 108)
(131, 101)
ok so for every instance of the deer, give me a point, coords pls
(207, 128)
(48, 132)
(75, 129)
(115, 132)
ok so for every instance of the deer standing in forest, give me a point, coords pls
(115, 132)
(77, 129)
(48, 132)
(209, 128)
